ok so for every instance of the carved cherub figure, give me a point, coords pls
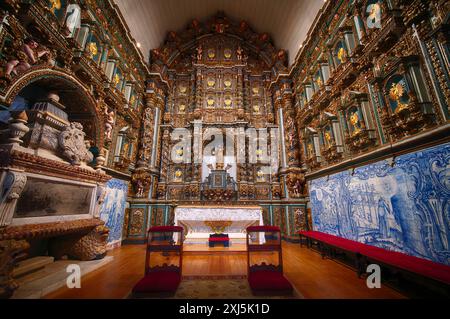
(139, 188)
(26, 57)
(199, 53)
(109, 123)
(239, 53)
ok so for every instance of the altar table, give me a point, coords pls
(197, 220)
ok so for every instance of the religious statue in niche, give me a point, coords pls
(398, 93)
(310, 149)
(54, 5)
(319, 81)
(355, 122)
(116, 79)
(374, 16)
(93, 51)
(109, 123)
(183, 89)
(341, 54)
(73, 19)
(132, 100)
(260, 175)
(178, 175)
(29, 54)
(328, 136)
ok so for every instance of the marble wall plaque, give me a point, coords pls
(46, 197)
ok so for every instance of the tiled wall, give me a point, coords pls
(402, 206)
(113, 209)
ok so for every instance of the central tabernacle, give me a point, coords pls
(200, 221)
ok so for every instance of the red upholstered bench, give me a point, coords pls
(401, 261)
(225, 240)
(158, 282)
(263, 281)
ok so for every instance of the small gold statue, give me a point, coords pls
(341, 55)
(354, 119)
(395, 93)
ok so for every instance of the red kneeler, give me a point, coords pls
(265, 277)
(161, 280)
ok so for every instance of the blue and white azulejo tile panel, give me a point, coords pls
(404, 207)
(112, 211)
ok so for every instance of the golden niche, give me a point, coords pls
(132, 100)
(319, 81)
(256, 108)
(211, 82)
(328, 136)
(182, 108)
(55, 5)
(310, 149)
(227, 83)
(227, 53)
(396, 92)
(228, 102)
(178, 174)
(255, 90)
(183, 89)
(116, 79)
(93, 50)
(260, 175)
(354, 119)
(342, 55)
(210, 101)
(211, 53)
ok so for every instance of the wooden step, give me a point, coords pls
(31, 265)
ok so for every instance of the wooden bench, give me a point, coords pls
(368, 254)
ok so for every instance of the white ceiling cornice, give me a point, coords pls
(286, 21)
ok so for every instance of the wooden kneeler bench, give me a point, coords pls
(266, 279)
(161, 280)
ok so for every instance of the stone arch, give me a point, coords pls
(79, 91)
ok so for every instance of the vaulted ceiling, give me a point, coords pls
(286, 21)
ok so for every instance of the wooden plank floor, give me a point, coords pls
(311, 275)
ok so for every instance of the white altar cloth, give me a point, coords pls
(193, 218)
